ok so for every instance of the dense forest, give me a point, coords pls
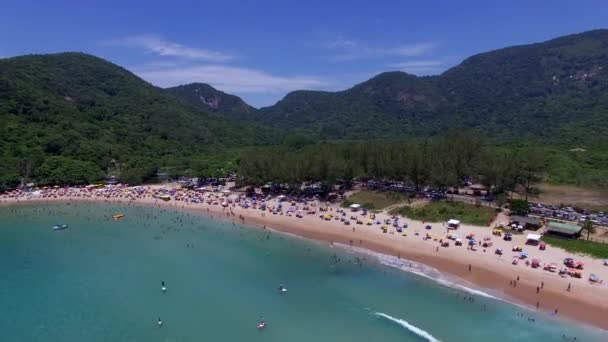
(73, 118)
(439, 163)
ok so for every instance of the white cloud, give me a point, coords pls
(229, 79)
(161, 47)
(347, 49)
(420, 67)
(340, 43)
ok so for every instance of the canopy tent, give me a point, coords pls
(533, 237)
(355, 206)
(453, 223)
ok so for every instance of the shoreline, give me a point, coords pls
(580, 305)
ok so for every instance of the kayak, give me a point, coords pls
(118, 216)
(60, 226)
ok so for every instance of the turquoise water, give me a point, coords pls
(99, 280)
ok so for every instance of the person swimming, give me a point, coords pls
(163, 287)
(262, 324)
(159, 322)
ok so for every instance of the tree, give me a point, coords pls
(533, 162)
(588, 227)
(520, 207)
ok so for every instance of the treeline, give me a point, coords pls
(440, 163)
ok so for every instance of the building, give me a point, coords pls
(526, 222)
(564, 229)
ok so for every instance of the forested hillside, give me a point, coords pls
(552, 92)
(71, 117)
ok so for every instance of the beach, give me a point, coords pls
(535, 288)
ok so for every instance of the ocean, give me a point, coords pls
(100, 280)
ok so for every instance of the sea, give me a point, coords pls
(100, 280)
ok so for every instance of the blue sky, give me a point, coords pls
(261, 50)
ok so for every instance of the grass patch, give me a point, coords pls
(594, 249)
(442, 211)
(375, 200)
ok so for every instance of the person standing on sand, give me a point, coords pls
(469, 267)
(569, 287)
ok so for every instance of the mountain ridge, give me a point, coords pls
(206, 97)
(553, 91)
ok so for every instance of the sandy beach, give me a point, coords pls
(534, 287)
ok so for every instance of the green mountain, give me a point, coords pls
(71, 117)
(555, 91)
(207, 98)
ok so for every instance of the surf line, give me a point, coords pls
(414, 329)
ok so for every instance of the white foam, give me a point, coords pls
(424, 271)
(424, 334)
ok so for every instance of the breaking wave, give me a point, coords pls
(412, 328)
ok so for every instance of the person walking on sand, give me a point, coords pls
(469, 267)
(569, 287)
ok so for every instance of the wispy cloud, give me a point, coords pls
(347, 49)
(420, 67)
(229, 79)
(157, 45)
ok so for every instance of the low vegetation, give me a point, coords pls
(592, 248)
(375, 200)
(443, 211)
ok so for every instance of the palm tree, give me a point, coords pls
(588, 227)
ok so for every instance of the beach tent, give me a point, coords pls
(453, 223)
(523, 255)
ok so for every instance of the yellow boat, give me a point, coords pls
(118, 216)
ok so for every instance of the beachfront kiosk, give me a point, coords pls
(355, 207)
(564, 229)
(453, 224)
